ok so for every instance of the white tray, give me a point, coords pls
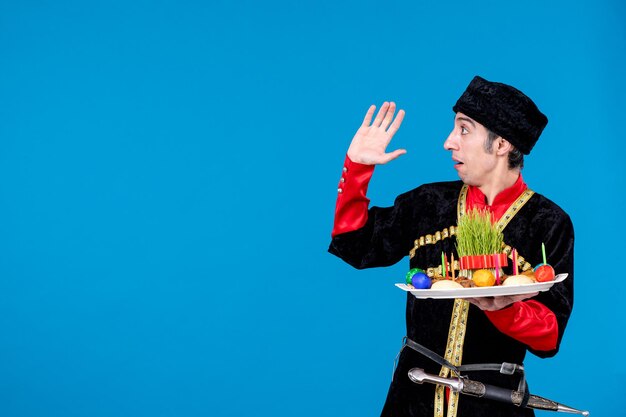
(484, 291)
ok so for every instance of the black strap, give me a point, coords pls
(431, 355)
(524, 390)
(504, 368)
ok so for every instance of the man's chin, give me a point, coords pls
(462, 178)
(467, 181)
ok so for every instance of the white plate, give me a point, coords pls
(484, 291)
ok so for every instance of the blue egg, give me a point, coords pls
(421, 281)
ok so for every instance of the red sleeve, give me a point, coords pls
(529, 322)
(351, 208)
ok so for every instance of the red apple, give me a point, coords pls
(544, 273)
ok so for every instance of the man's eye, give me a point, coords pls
(464, 131)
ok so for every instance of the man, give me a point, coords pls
(495, 125)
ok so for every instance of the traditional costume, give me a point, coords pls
(422, 224)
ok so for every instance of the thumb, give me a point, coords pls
(393, 155)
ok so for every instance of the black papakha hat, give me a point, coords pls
(504, 110)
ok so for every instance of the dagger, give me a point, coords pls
(478, 389)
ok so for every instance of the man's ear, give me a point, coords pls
(502, 146)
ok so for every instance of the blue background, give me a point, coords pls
(168, 174)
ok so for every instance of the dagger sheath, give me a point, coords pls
(491, 392)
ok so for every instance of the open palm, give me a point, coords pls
(369, 145)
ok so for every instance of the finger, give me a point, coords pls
(381, 114)
(389, 116)
(522, 297)
(501, 302)
(396, 124)
(368, 116)
(393, 155)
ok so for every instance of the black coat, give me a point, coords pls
(390, 234)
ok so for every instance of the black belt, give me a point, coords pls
(504, 368)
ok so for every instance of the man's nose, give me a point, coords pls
(450, 143)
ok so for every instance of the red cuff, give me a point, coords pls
(529, 322)
(351, 208)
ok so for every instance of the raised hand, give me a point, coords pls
(370, 142)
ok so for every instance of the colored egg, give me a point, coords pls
(410, 274)
(421, 281)
(544, 273)
(483, 278)
(537, 266)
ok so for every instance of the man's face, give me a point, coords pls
(474, 165)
